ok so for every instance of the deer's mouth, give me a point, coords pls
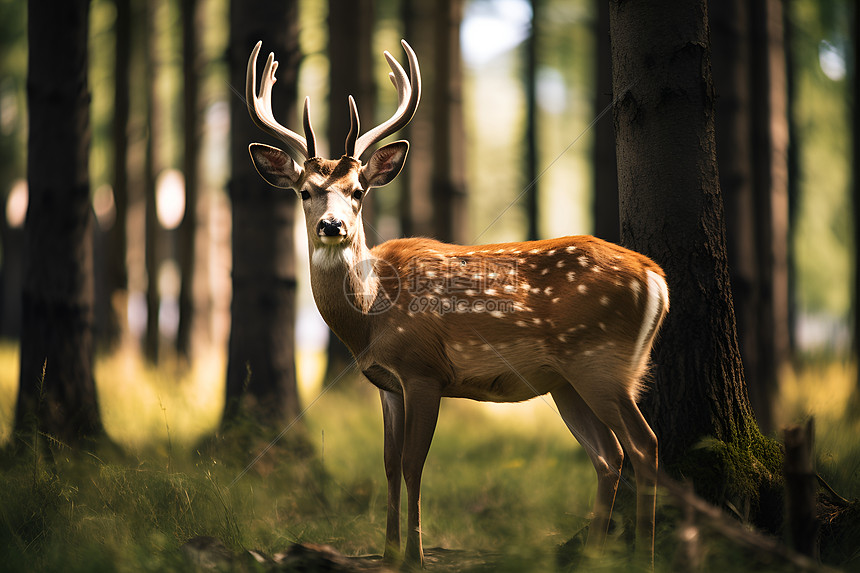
(331, 231)
(332, 239)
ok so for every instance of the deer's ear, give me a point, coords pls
(275, 166)
(384, 165)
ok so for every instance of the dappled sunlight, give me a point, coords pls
(9, 366)
(821, 390)
(143, 406)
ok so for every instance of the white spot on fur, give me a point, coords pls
(547, 291)
(534, 251)
(497, 314)
(401, 329)
(636, 287)
(583, 261)
(604, 300)
(556, 299)
(510, 288)
(470, 292)
(560, 263)
(550, 253)
(520, 323)
(545, 271)
(582, 289)
(490, 292)
(536, 320)
(570, 248)
(431, 274)
(525, 286)
(561, 338)
(571, 276)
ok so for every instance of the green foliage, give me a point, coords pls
(505, 481)
(744, 476)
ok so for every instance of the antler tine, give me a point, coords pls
(408, 94)
(260, 107)
(354, 127)
(310, 138)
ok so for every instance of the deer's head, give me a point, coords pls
(331, 190)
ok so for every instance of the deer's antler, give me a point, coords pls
(408, 96)
(260, 107)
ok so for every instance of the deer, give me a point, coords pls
(573, 317)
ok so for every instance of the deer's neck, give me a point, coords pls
(345, 287)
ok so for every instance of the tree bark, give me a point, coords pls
(671, 210)
(57, 390)
(112, 274)
(531, 134)
(191, 67)
(730, 34)
(153, 166)
(416, 204)
(770, 176)
(449, 177)
(261, 368)
(606, 224)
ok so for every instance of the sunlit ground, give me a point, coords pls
(143, 406)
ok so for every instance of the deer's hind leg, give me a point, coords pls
(605, 454)
(616, 407)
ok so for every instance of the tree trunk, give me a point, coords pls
(531, 134)
(672, 211)
(606, 225)
(449, 178)
(416, 205)
(770, 172)
(153, 165)
(261, 368)
(855, 189)
(57, 390)
(116, 245)
(350, 26)
(191, 67)
(730, 34)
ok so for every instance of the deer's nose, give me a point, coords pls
(330, 227)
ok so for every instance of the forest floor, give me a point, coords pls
(505, 487)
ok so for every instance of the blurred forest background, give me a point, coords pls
(199, 308)
(516, 143)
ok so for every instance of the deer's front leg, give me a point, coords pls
(392, 419)
(421, 399)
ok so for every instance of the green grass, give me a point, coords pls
(508, 480)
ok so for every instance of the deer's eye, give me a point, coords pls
(358, 195)
(305, 195)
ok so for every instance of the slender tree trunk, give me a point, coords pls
(261, 368)
(57, 389)
(449, 181)
(350, 26)
(416, 205)
(606, 225)
(153, 166)
(730, 34)
(671, 210)
(770, 171)
(117, 273)
(855, 189)
(191, 69)
(531, 135)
